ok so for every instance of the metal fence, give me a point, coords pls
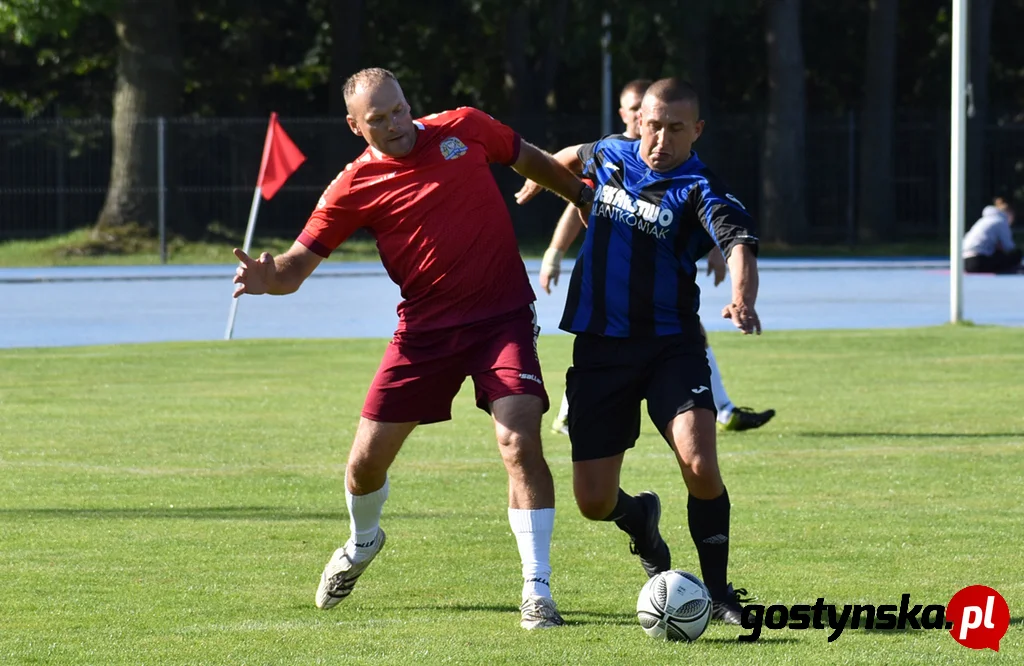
(54, 173)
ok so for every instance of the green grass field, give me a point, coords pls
(175, 504)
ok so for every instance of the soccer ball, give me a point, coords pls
(674, 606)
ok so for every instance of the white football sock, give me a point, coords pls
(563, 411)
(364, 517)
(533, 528)
(722, 402)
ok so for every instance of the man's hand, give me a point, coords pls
(528, 191)
(254, 276)
(550, 268)
(743, 317)
(716, 263)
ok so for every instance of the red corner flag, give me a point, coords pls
(281, 158)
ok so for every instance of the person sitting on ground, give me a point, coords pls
(988, 246)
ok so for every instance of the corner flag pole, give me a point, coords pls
(957, 160)
(281, 157)
(253, 211)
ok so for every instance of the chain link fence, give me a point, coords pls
(54, 173)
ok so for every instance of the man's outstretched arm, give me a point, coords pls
(279, 275)
(743, 269)
(534, 162)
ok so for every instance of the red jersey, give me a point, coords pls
(442, 227)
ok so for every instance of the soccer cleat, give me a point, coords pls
(341, 573)
(729, 610)
(652, 549)
(540, 613)
(744, 418)
(560, 427)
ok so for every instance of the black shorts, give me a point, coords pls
(609, 378)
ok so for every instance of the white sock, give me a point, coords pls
(533, 528)
(364, 517)
(722, 402)
(563, 411)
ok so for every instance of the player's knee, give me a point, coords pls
(364, 468)
(519, 450)
(594, 505)
(702, 467)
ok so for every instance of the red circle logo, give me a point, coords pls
(980, 617)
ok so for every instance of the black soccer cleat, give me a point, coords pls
(745, 418)
(652, 549)
(729, 610)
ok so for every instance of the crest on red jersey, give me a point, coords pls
(452, 148)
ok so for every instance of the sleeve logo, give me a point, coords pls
(736, 201)
(452, 148)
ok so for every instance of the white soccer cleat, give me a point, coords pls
(341, 573)
(540, 613)
(560, 426)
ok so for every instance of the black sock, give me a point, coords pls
(709, 529)
(628, 515)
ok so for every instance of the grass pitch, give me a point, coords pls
(175, 504)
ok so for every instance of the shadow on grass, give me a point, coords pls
(913, 435)
(765, 639)
(572, 617)
(267, 513)
(583, 618)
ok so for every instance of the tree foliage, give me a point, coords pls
(242, 58)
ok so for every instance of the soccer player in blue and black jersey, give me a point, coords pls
(632, 304)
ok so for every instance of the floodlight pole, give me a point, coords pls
(957, 160)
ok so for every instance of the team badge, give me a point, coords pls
(452, 148)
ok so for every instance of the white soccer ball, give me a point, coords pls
(674, 606)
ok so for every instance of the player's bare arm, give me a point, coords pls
(567, 157)
(279, 275)
(569, 225)
(743, 267)
(716, 264)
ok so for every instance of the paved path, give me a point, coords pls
(128, 304)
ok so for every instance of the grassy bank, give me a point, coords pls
(78, 249)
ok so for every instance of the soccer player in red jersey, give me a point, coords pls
(424, 189)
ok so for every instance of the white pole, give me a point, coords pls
(161, 190)
(606, 75)
(957, 160)
(256, 196)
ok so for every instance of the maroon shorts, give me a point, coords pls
(421, 372)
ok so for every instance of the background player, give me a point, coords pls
(425, 190)
(730, 417)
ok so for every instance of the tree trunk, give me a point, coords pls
(783, 209)
(979, 26)
(346, 49)
(876, 202)
(148, 86)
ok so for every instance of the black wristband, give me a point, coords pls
(585, 197)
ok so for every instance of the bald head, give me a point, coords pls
(367, 79)
(378, 112)
(674, 90)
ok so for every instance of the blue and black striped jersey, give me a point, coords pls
(635, 275)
